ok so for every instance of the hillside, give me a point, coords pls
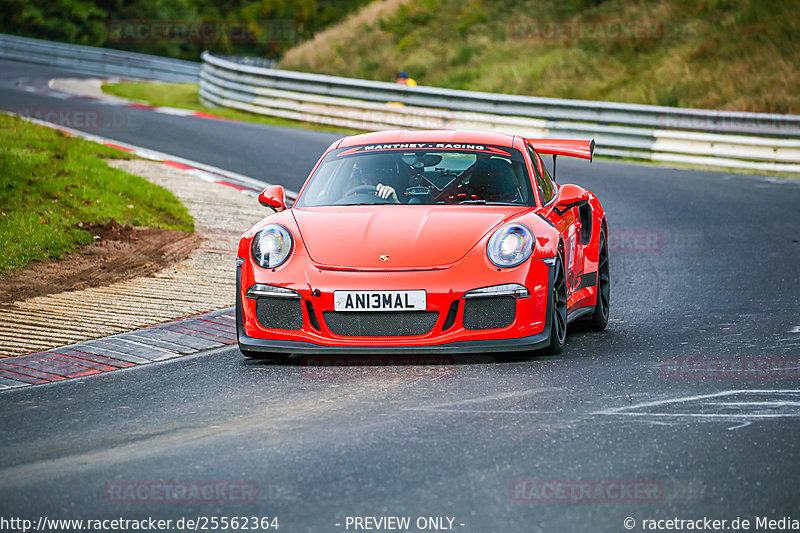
(720, 54)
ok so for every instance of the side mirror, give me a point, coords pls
(273, 196)
(570, 196)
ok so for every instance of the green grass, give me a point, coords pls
(182, 95)
(49, 183)
(185, 96)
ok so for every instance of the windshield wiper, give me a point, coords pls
(369, 203)
(489, 203)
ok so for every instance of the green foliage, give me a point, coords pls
(74, 21)
(260, 27)
(49, 183)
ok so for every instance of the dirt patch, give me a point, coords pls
(118, 253)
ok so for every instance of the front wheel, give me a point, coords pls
(558, 319)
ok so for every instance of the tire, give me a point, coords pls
(599, 319)
(558, 319)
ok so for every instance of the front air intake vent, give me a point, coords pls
(489, 313)
(279, 313)
(381, 324)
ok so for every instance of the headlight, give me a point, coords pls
(272, 246)
(510, 246)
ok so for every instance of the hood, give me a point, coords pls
(413, 237)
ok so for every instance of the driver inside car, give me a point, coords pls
(375, 172)
(493, 180)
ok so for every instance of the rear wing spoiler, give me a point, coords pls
(567, 147)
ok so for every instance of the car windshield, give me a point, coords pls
(419, 173)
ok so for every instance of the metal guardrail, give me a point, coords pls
(98, 60)
(760, 141)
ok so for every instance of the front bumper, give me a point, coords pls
(530, 329)
(524, 344)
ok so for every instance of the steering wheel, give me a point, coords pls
(361, 189)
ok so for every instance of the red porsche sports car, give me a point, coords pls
(425, 242)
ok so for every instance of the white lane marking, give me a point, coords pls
(721, 416)
(755, 404)
(795, 329)
(615, 410)
(642, 410)
(740, 426)
(174, 111)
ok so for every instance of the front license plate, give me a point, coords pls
(379, 301)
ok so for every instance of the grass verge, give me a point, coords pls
(50, 184)
(740, 55)
(185, 96)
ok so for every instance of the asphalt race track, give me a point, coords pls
(685, 403)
